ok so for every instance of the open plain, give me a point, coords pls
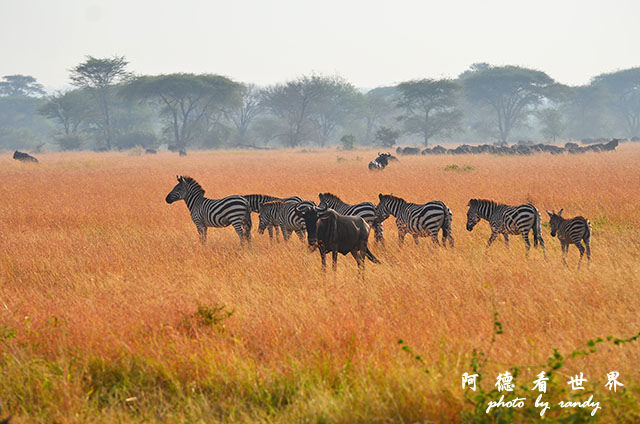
(112, 311)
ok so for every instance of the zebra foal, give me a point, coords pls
(231, 210)
(281, 214)
(506, 220)
(571, 231)
(256, 200)
(417, 220)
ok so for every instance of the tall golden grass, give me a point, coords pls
(101, 282)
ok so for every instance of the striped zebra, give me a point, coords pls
(571, 231)
(256, 200)
(365, 210)
(417, 220)
(281, 214)
(231, 210)
(505, 220)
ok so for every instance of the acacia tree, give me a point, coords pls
(293, 102)
(430, 107)
(333, 107)
(69, 109)
(248, 110)
(586, 109)
(189, 103)
(375, 106)
(624, 87)
(510, 91)
(552, 124)
(20, 85)
(98, 76)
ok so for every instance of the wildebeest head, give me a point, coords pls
(310, 216)
(473, 216)
(555, 219)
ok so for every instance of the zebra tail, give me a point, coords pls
(537, 231)
(372, 258)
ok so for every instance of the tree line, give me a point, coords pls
(109, 108)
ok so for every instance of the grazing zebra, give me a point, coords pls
(417, 220)
(571, 231)
(505, 220)
(365, 210)
(283, 214)
(256, 200)
(231, 210)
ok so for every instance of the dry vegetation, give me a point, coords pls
(110, 310)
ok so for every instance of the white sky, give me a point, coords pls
(370, 43)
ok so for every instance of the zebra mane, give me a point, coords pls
(477, 202)
(193, 184)
(392, 197)
(332, 197)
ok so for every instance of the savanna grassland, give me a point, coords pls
(112, 311)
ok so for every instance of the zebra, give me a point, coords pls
(283, 214)
(571, 231)
(365, 210)
(255, 200)
(417, 220)
(505, 220)
(231, 210)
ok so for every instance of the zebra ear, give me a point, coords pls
(560, 212)
(380, 196)
(550, 214)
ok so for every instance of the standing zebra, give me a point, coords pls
(283, 214)
(231, 210)
(505, 220)
(365, 210)
(417, 220)
(256, 200)
(571, 231)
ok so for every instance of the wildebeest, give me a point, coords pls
(381, 161)
(24, 157)
(331, 232)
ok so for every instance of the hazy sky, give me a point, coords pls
(370, 43)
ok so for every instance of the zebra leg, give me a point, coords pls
(494, 235)
(565, 249)
(415, 238)
(238, 227)
(275, 227)
(285, 233)
(506, 240)
(334, 258)
(270, 229)
(377, 231)
(246, 227)
(587, 242)
(581, 249)
(525, 237)
(202, 233)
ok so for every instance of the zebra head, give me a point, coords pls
(555, 219)
(473, 216)
(327, 200)
(186, 186)
(382, 210)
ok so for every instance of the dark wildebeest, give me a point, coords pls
(381, 161)
(331, 232)
(24, 157)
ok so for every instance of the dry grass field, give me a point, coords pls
(112, 311)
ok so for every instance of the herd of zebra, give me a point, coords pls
(419, 220)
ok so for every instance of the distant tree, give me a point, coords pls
(510, 91)
(586, 111)
(375, 107)
(246, 113)
(624, 87)
(69, 109)
(190, 104)
(268, 128)
(348, 141)
(333, 107)
(20, 85)
(98, 75)
(294, 102)
(386, 136)
(430, 107)
(552, 124)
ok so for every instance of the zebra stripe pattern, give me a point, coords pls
(417, 220)
(282, 214)
(256, 200)
(365, 210)
(506, 220)
(571, 231)
(230, 210)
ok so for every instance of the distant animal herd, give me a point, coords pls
(333, 226)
